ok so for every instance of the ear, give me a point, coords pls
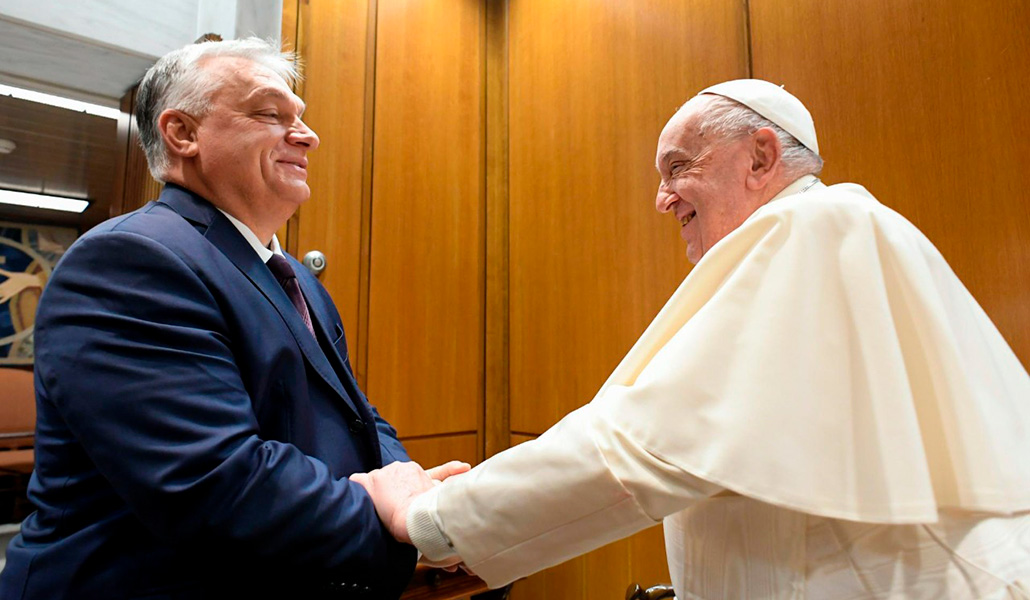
(179, 132)
(765, 153)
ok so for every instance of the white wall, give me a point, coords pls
(98, 49)
(240, 18)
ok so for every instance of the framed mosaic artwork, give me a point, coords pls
(28, 254)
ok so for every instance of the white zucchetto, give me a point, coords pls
(772, 102)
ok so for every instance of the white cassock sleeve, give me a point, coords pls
(823, 358)
(581, 485)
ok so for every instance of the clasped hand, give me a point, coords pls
(393, 487)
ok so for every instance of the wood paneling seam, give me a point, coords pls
(368, 166)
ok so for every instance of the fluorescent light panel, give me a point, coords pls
(68, 103)
(42, 201)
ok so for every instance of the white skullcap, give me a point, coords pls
(772, 102)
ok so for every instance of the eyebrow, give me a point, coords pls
(665, 156)
(271, 92)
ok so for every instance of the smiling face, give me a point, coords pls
(704, 181)
(252, 144)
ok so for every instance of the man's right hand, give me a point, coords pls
(393, 487)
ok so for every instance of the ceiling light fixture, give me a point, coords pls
(74, 205)
(7, 146)
(68, 103)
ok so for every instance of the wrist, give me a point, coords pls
(422, 526)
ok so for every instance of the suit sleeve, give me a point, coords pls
(391, 447)
(136, 357)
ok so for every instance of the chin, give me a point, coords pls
(298, 194)
(693, 255)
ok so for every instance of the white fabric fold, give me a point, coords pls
(825, 358)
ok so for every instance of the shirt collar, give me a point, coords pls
(252, 239)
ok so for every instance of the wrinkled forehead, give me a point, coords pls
(234, 76)
(681, 131)
(685, 121)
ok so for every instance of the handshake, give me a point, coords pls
(395, 486)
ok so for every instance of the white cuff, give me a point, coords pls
(424, 529)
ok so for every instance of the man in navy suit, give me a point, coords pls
(198, 416)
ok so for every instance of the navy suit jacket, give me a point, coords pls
(193, 439)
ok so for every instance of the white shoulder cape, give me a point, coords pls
(825, 358)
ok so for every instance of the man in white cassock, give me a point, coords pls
(821, 410)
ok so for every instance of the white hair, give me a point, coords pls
(179, 80)
(727, 119)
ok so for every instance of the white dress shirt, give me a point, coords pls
(265, 252)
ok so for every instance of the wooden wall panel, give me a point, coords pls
(288, 41)
(133, 185)
(496, 423)
(925, 104)
(332, 38)
(436, 450)
(592, 84)
(288, 30)
(603, 574)
(426, 287)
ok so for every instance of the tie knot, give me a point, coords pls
(280, 267)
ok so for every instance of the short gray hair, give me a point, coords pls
(178, 80)
(728, 119)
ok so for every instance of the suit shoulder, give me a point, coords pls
(133, 241)
(154, 225)
(154, 220)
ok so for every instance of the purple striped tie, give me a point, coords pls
(282, 271)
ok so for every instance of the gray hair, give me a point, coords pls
(179, 80)
(728, 119)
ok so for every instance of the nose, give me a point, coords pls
(302, 135)
(665, 199)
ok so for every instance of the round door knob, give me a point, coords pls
(315, 262)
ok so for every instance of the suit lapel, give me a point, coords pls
(323, 323)
(320, 317)
(224, 235)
